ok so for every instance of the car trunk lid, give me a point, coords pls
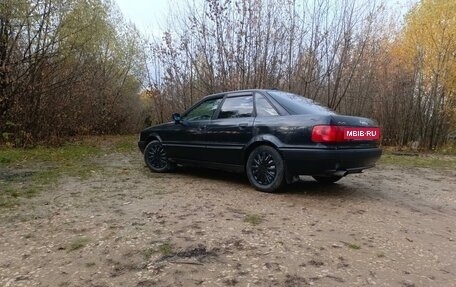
(352, 124)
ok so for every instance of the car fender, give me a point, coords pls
(269, 140)
(152, 136)
(265, 138)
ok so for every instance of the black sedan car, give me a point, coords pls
(270, 135)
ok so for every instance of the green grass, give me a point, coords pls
(8, 201)
(126, 144)
(24, 172)
(10, 196)
(148, 253)
(25, 192)
(77, 243)
(65, 154)
(353, 246)
(422, 160)
(165, 249)
(253, 219)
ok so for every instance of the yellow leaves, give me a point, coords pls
(432, 22)
(85, 25)
(429, 41)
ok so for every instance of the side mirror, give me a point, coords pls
(177, 118)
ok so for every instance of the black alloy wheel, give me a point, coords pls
(155, 157)
(265, 169)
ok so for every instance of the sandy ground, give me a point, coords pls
(125, 226)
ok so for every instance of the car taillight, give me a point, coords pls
(327, 134)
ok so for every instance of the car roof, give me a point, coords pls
(235, 92)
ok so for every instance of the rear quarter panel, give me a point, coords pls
(290, 131)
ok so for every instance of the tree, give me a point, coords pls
(427, 48)
(67, 68)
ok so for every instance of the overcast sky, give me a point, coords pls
(150, 16)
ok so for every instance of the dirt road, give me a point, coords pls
(125, 226)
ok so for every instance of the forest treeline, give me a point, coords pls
(67, 67)
(76, 67)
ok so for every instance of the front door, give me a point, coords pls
(230, 130)
(186, 141)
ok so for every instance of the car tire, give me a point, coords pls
(327, 179)
(155, 157)
(265, 169)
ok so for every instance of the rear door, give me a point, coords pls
(230, 130)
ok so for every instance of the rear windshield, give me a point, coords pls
(296, 104)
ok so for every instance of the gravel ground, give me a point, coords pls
(126, 226)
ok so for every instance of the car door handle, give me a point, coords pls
(202, 128)
(243, 125)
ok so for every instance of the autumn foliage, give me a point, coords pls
(423, 68)
(75, 67)
(67, 67)
(353, 56)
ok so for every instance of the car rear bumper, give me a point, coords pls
(142, 145)
(325, 161)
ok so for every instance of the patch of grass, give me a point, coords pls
(90, 264)
(29, 192)
(69, 153)
(47, 176)
(8, 202)
(40, 167)
(64, 154)
(9, 155)
(4, 159)
(354, 246)
(380, 254)
(110, 142)
(148, 253)
(422, 160)
(253, 219)
(16, 187)
(9, 196)
(165, 249)
(126, 144)
(449, 148)
(77, 243)
(82, 169)
(24, 172)
(11, 192)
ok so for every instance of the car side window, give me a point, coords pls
(203, 111)
(237, 107)
(263, 107)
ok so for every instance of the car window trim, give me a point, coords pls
(282, 110)
(311, 111)
(201, 102)
(235, 95)
(216, 113)
(267, 100)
